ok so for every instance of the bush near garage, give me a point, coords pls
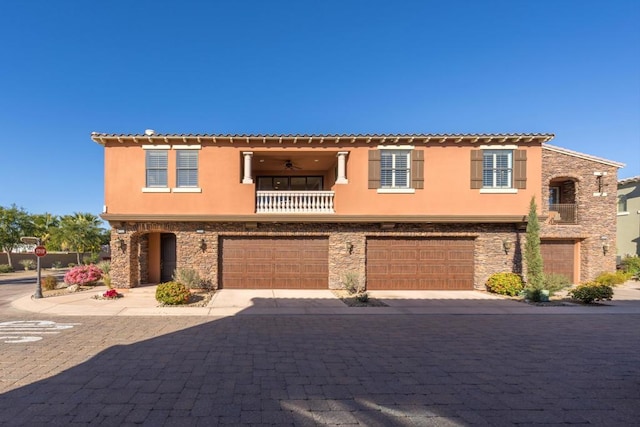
(631, 265)
(613, 279)
(591, 292)
(555, 282)
(505, 284)
(172, 293)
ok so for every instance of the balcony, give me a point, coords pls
(563, 213)
(294, 202)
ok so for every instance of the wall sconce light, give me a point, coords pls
(203, 245)
(605, 244)
(121, 244)
(200, 231)
(349, 248)
(120, 230)
(506, 245)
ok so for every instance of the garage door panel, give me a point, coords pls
(558, 257)
(272, 263)
(416, 263)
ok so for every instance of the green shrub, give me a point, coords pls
(49, 283)
(613, 279)
(505, 284)
(71, 264)
(91, 258)
(351, 283)
(591, 291)
(188, 277)
(28, 264)
(555, 282)
(631, 265)
(363, 297)
(6, 268)
(56, 264)
(105, 266)
(106, 279)
(172, 293)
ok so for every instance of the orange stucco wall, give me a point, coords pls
(447, 184)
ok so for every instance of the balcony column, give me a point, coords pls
(342, 168)
(246, 179)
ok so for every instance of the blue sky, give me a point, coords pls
(68, 68)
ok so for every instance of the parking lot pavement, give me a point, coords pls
(439, 369)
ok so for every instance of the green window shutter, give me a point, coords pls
(520, 169)
(374, 169)
(476, 169)
(417, 169)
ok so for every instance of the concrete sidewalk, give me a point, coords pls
(230, 302)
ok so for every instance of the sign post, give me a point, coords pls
(40, 251)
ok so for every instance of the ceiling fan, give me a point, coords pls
(288, 164)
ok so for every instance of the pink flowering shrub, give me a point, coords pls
(83, 275)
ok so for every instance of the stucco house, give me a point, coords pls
(628, 217)
(411, 211)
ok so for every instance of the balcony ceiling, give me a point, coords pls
(291, 162)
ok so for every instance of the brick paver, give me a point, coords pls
(447, 370)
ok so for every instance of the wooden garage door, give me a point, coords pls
(274, 263)
(433, 264)
(558, 257)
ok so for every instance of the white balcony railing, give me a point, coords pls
(294, 202)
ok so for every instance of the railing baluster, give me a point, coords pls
(294, 201)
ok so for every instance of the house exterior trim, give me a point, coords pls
(312, 218)
(582, 155)
(303, 140)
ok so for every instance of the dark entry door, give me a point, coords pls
(167, 256)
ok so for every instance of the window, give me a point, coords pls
(497, 168)
(622, 203)
(554, 195)
(394, 169)
(290, 183)
(186, 168)
(156, 167)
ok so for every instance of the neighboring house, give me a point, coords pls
(628, 217)
(400, 211)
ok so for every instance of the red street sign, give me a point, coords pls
(40, 251)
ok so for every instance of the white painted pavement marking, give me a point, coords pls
(20, 331)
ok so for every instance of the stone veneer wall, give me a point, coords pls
(597, 214)
(128, 267)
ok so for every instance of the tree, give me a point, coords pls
(80, 233)
(532, 254)
(15, 223)
(44, 227)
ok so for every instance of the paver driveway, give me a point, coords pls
(327, 370)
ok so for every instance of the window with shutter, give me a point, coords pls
(396, 169)
(498, 170)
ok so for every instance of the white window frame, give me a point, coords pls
(156, 188)
(495, 170)
(395, 150)
(182, 186)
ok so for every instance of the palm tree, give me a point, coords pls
(80, 232)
